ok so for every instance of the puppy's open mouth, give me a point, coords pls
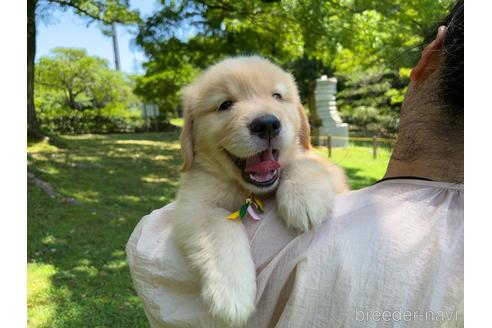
(260, 169)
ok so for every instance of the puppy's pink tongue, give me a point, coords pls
(262, 164)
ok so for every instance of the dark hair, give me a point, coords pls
(452, 71)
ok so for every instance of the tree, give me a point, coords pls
(370, 100)
(33, 130)
(310, 38)
(81, 81)
(105, 12)
(76, 87)
(223, 28)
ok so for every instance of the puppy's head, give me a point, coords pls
(243, 121)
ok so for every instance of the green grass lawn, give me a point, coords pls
(358, 163)
(77, 272)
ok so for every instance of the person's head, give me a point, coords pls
(431, 120)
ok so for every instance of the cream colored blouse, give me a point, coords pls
(391, 256)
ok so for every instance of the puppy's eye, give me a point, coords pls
(277, 96)
(225, 105)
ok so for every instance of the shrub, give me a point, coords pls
(105, 120)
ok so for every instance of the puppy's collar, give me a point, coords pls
(249, 206)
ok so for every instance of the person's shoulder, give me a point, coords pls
(389, 201)
(387, 219)
(354, 200)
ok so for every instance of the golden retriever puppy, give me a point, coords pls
(245, 132)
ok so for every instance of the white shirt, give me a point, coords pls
(391, 256)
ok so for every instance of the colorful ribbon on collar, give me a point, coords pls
(248, 207)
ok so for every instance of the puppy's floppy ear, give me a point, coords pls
(186, 137)
(305, 131)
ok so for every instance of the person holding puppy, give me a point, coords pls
(392, 253)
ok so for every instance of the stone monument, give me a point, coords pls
(326, 107)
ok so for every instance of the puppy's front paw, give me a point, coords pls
(305, 203)
(233, 301)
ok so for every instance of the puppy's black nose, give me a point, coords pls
(265, 127)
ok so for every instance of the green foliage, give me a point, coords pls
(370, 100)
(310, 38)
(163, 80)
(220, 29)
(104, 120)
(77, 93)
(104, 12)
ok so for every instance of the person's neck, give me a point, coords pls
(420, 153)
(430, 144)
(437, 170)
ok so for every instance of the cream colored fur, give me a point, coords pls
(212, 187)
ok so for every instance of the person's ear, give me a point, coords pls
(186, 137)
(430, 58)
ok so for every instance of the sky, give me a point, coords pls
(66, 29)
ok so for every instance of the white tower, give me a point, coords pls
(326, 106)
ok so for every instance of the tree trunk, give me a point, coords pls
(71, 100)
(116, 50)
(33, 129)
